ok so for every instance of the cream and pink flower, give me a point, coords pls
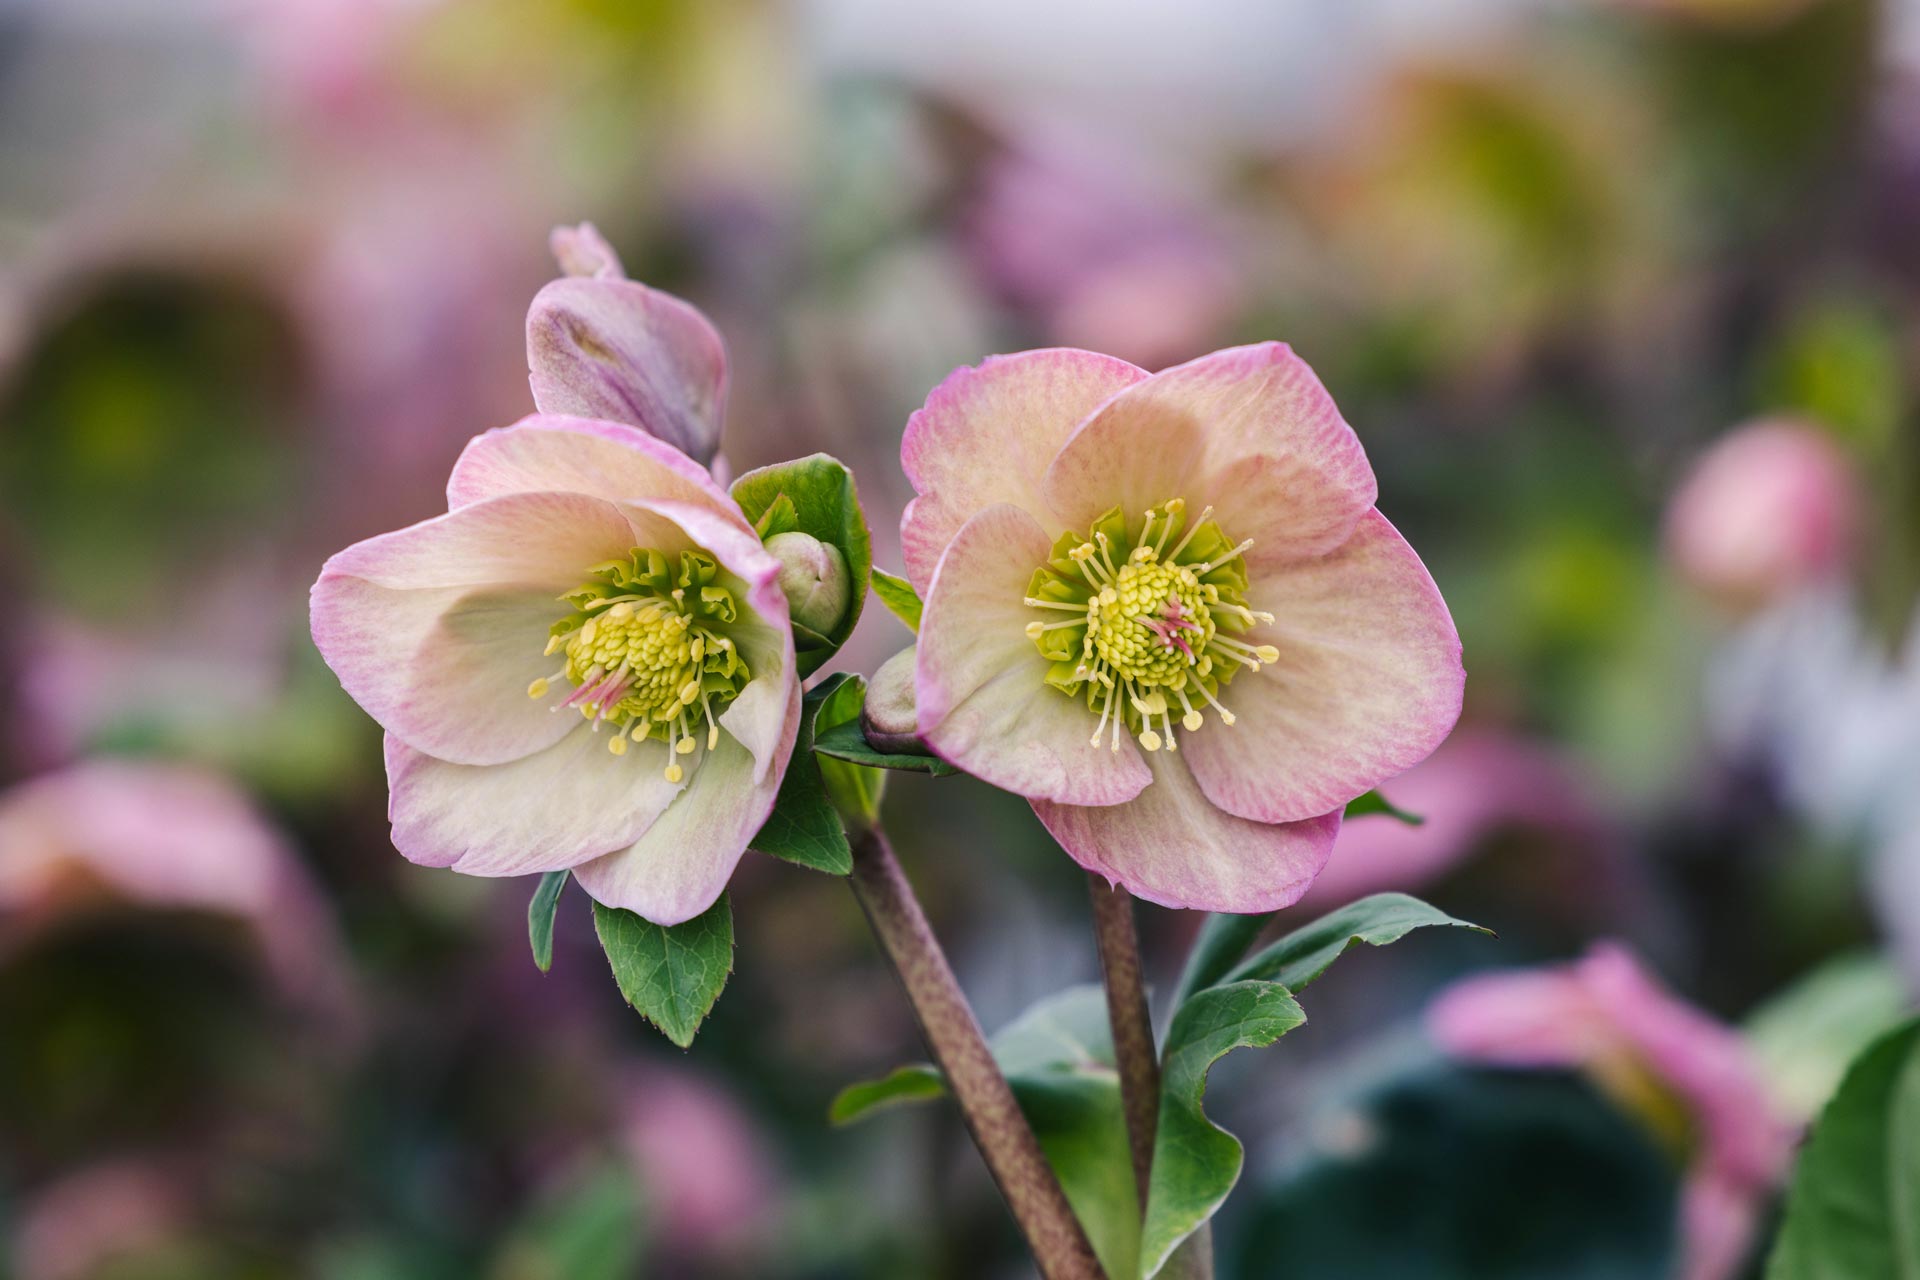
(586, 663)
(1688, 1077)
(1165, 610)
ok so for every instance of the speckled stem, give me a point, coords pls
(986, 1102)
(1132, 1022)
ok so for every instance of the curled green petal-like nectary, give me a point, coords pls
(1249, 430)
(617, 350)
(680, 865)
(1368, 682)
(1171, 845)
(980, 685)
(986, 435)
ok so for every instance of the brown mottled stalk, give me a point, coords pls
(953, 1034)
(1137, 1058)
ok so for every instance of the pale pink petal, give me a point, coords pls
(1539, 1018)
(981, 685)
(550, 452)
(618, 350)
(436, 630)
(1368, 683)
(582, 251)
(1248, 430)
(986, 435)
(680, 865)
(555, 808)
(1170, 845)
(1717, 1222)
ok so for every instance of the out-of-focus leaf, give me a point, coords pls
(545, 901)
(1445, 1172)
(854, 789)
(804, 826)
(1373, 802)
(1058, 1057)
(902, 601)
(583, 1230)
(825, 504)
(1195, 1162)
(1853, 1212)
(914, 1083)
(671, 974)
(1805, 1037)
(846, 742)
(1377, 920)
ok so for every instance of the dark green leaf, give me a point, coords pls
(804, 826)
(846, 742)
(1303, 955)
(777, 519)
(825, 504)
(1223, 940)
(914, 1083)
(1853, 1212)
(1195, 1162)
(902, 601)
(854, 789)
(671, 974)
(545, 901)
(1374, 802)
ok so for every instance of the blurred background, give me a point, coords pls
(1622, 297)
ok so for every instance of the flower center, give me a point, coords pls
(646, 651)
(1152, 621)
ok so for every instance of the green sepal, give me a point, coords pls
(1373, 802)
(671, 974)
(846, 742)
(540, 911)
(855, 789)
(777, 519)
(902, 601)
(825, 504)
(805, 827)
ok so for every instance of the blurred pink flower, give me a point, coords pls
(82, 1223)
(1103, 258)
(1685, 1075)
(1099, 548)
(1478, 782)
(602, 346)
(1769, 508)
(165, 837)
(706, 1171)
(594, 545)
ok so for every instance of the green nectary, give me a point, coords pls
(1153, 620)
(647, 652)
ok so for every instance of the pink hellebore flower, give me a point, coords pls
(1768, 509)
(1164, 609)
(586, 663)
(602, 346)
(1689, 1076)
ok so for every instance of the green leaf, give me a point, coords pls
(915, 1082)
(825, 504)
(1853, 1211)
(1196, 1162)
(671, 973)
(902, 601)
(1058, 1058)
(546, 901)
(854, 789)
(1223, 940)
(804, 826)
(846, 742)
(777, 519)
(583, 1229)
(1303, 955)
(1805, 1037)
(1373, 802)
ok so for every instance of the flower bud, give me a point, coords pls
(814, 578)
(888, 718)
(1769, 508)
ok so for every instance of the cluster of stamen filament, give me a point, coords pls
(1153, 624)
(646, 652)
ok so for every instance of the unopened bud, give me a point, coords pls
(814, 579)
(889, 718)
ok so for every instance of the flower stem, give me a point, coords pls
(1138, 1059)
(1133, 1047)
(953, 1034)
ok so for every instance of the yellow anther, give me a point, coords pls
(1150, 740)
(588, 632)
(621, 610)
(1191, 721)
(1034, 629)
(538, 689)
(554, 645)
(1267, 653)
(713, 736)
(684, 747)
(675, 773)
(690, 691)
(617, 744)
